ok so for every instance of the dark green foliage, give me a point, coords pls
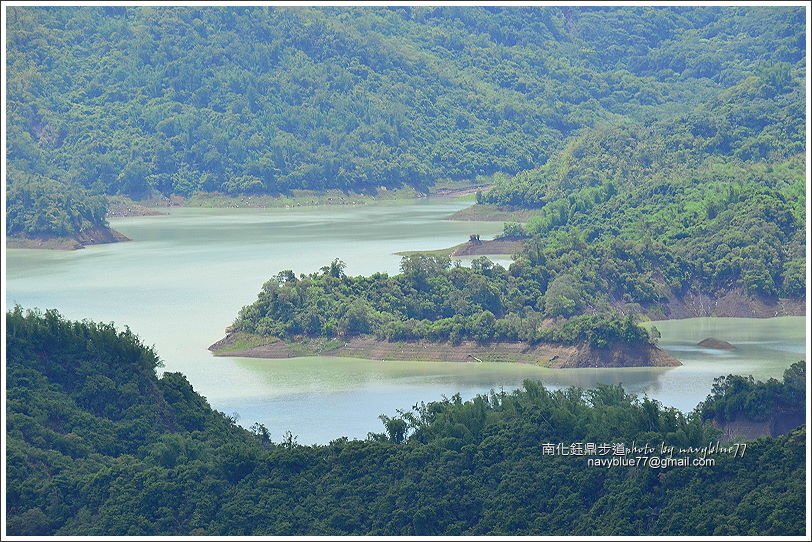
(513, 231)
(161, 462)
(37, 205)
(83, 398)
(721, 189)
(634, 215)
(140, 100)
(747, 124)
(664, 146)
(735, 395)
(431, 299)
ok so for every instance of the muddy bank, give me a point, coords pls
(733, 304)
(743, 428)
(483, 248)
(95, 236)
(473, 248)
(547, 355)
(621, 355)
(122, 208)
(456, 192)
(299, 198)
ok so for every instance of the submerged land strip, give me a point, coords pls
(487, 247)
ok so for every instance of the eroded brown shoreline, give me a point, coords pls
(546, 355)
(95, 236)
(732, 304)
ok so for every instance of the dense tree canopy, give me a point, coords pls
(721, 188)
(435, 300)
(41, 206)
(736, 395)
(173, 100)
(661, 147)
(98, 445)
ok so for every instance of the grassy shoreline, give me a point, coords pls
(494, 213)
(301, 198)
(124, 206)
(296, 198)
(493, 247)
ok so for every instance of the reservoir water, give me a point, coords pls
(184, 277)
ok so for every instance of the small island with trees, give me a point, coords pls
(438, 311)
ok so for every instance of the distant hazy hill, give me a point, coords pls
(247, 100)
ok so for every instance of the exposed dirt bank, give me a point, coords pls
(124, 207)
(621, 356)
(299, 198)
(547, 355)
(735, 303)
(456, 192)
(742, 428)
(481, 248)
(95, 236)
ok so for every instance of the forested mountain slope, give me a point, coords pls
(721, 189)
(98, 445)
(699, 214)
(167, 100)
(759, 120)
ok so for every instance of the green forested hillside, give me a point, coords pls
(98, 445)
(660, 148)
(142, 101)
(38, 205)
(721, 188)
(757, 120)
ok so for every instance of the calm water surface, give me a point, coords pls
(185, 276)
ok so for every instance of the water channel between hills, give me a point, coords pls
(185, 276)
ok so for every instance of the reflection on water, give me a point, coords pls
(763, 348)
(185, 276)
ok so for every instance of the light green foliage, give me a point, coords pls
(40, 206)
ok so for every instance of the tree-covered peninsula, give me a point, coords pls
(97, 444)
(523, 313)
(42, 212)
